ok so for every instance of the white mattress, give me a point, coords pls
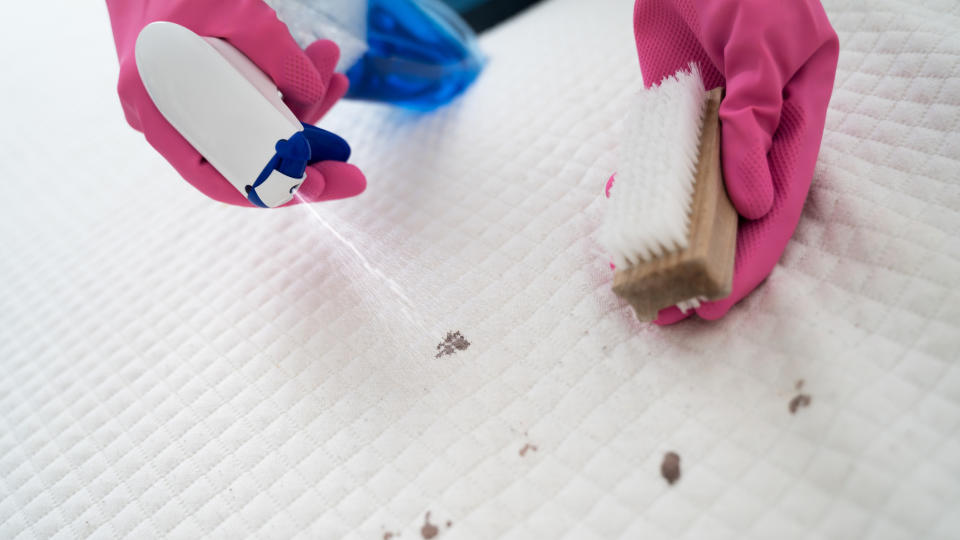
(175, 367)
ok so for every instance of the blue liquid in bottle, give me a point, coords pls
(421, 55)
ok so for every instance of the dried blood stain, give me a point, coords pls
(428, 530)
(451, 344)
(526, 448)
(803, 400)
(670, 468)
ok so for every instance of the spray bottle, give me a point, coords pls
(417, 54)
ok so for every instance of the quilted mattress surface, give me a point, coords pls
(443, 354)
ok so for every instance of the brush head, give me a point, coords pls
(648, 215)
(670, 226)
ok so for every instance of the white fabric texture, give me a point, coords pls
(176, 367)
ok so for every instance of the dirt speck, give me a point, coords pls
(387, 535)
(527, 448)
(451, 344)
(670, 468)
(802, 400)
(800, 384)
(449, 524)
(428, 530)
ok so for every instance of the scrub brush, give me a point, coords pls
(669, 225)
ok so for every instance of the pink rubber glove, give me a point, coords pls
(778, 61)
(305, 78)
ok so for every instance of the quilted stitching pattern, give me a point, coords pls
(176, 367)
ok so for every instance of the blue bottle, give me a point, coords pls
(417, 54)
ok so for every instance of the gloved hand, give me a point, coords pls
(305, 78)
(778, 61)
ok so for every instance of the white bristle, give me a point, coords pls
(648, 214)
(690, 304)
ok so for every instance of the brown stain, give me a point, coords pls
(451, 344)
(526, 448)
(449, 524)
(802, 400)
(800, 384)
(387, 535)
(428, 530)
(670, 468)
